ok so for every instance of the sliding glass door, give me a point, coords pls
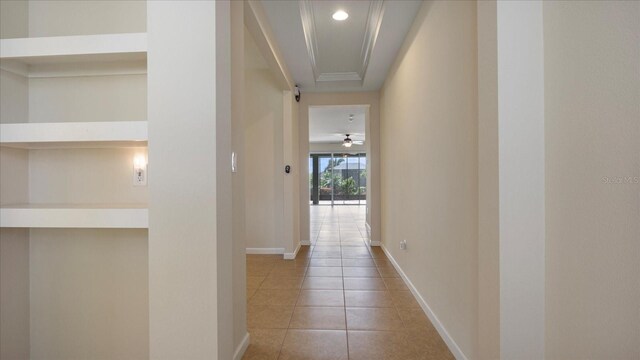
(338, 179)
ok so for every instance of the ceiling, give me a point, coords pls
(323, 54)
(329, 124)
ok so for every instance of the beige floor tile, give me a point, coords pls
(259, 269)
(415, 318)
(364, 284)
(288, 271)
(327, 248)
(373, 319)
(314, 345)
(250, 293)
(322, 283)
(376, 252)
(388, 272)
(380, 345)
(324, 271)
(291, 264)
(360, 272)
(320, 318)
(353, 239)
(321, 298)
(253, 282)
(382, 262)
(326, 255)
(263, 259)
(395, 284)
(349, 255)
(281, 283)
(275, 297)
(268, 316)
(428, 345)
(325, 262)
(350, 233)
(367, 298)
(403, 299)
(358, 263)
(265, 344)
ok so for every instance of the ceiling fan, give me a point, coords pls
(347, 142)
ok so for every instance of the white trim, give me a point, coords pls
(339, 76)
(242, 347)
(116, 216)
(453, 347)
(368, 231)
(117, 133)
(305, 242)
(291, 256)
(265, 251)
(374, 19)
(373, 243)
(48, 48)
(309, 29)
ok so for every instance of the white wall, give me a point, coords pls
(70, 17)
(14, 19)
(429, 100)
(14, 188)
(520, 62)
(488, 184)
(88, 98)
(592, 97)
(263, 161)
(184, 221)
(95, 283)
(237, 34)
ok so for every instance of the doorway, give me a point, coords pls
(338, 178)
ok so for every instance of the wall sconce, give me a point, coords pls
(140, 170)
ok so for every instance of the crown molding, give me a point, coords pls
(342, 76)
(309, 27)
(374, 19)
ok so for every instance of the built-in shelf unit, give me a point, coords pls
(73, 107)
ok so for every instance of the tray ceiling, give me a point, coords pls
(324, 54)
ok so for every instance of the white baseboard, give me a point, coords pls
(242, 347)
(305, 242)
(373, 243)
(265, 251)
(453, 347)
(291, 256)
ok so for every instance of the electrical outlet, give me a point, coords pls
(140, 171)
(403, 245)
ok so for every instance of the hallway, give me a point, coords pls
(340, 299)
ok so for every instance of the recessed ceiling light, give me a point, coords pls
(340, 15)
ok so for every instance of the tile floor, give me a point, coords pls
(340, 299)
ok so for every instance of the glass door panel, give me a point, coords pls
(338, 179)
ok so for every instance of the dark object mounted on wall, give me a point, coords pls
(296, 93)
(287, 169)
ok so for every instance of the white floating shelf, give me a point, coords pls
(80, 55)
(130, 216)
(74, 134)
(57, 49)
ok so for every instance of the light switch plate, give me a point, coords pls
(234, 162)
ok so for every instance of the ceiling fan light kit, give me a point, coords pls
(347, 142)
